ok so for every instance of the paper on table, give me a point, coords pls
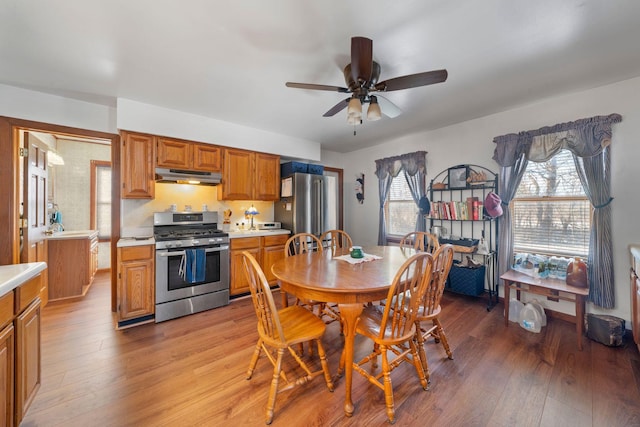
(365, 258)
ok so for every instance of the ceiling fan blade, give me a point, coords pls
(361, 59)
(388, 108)
(412, 80)
(317, 87)
(337, 108)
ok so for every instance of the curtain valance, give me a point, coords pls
(584, 138)
(411, 163)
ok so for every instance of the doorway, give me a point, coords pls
(11, 140)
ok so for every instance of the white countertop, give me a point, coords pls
(72, 234)
(14, 275)
(256, 233)
(135, 241)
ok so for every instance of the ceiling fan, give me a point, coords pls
(361, 77)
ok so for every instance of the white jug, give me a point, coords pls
(530, 318)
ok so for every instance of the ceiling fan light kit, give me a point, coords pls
(354, 109)
(361, 77)
(374, 113)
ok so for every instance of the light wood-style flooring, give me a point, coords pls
(191, 372)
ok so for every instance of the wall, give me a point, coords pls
(72, 187)
(137, 215)
(37, 106)
(140, 117)
(471, 142)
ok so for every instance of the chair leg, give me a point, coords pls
(388, 387)
(254, 359)
(271, 403)
(418, 365)
(325, 365)
(443, 337)
(423, 355)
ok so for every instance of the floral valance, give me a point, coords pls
(584, 137)
(412, 163)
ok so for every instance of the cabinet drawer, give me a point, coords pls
(27, 292)
(6, 309)
(132, 253)
(245, 243)
(277, 240)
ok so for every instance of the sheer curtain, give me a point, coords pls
(414, 165)
(589, 140)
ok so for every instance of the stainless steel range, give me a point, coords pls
(194, 236)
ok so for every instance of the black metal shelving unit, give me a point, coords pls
(453, 185)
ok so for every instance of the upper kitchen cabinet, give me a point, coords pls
(137, 172)
(249, 176)
(267, 177)
(177, 154)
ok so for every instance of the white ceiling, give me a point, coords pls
(230, 60)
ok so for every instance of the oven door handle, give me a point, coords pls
(176, 253)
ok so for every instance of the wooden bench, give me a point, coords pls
(551, 288)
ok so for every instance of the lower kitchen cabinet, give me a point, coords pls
(136, 284)
(72, 266)
(238, 282)
(272, 251)
(265, 249)
(7, 344)
(28, 369)
(20, 354)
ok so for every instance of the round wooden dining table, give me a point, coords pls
(322, 277)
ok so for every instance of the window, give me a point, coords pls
(401, 209)
(101, 199)
(551, 213)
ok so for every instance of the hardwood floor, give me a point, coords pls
(191, 371)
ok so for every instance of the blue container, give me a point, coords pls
(465, 280)
(315, 169)
(288, 169)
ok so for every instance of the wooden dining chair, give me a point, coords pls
(336, 239)
(420, 241)
(278, 331)
(392, 327)
(429, 310)
(302, 243)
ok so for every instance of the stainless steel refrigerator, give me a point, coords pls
(308, 203)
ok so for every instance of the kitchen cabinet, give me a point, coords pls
(138, 170)
(265, 249)
(248, 175)
(72, 264)
(238, 283)
(28, 369)
(186, 155)
(136, 284)
(93, 258)
(7, 343)
(272, 251)
(20, 351)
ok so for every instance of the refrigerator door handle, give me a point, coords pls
(319, 217)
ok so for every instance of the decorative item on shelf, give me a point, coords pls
(477, 178)
(483, 249)
(226, 222)
(360, 188)
(251, 212)
(458, 177)
(439, 186)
